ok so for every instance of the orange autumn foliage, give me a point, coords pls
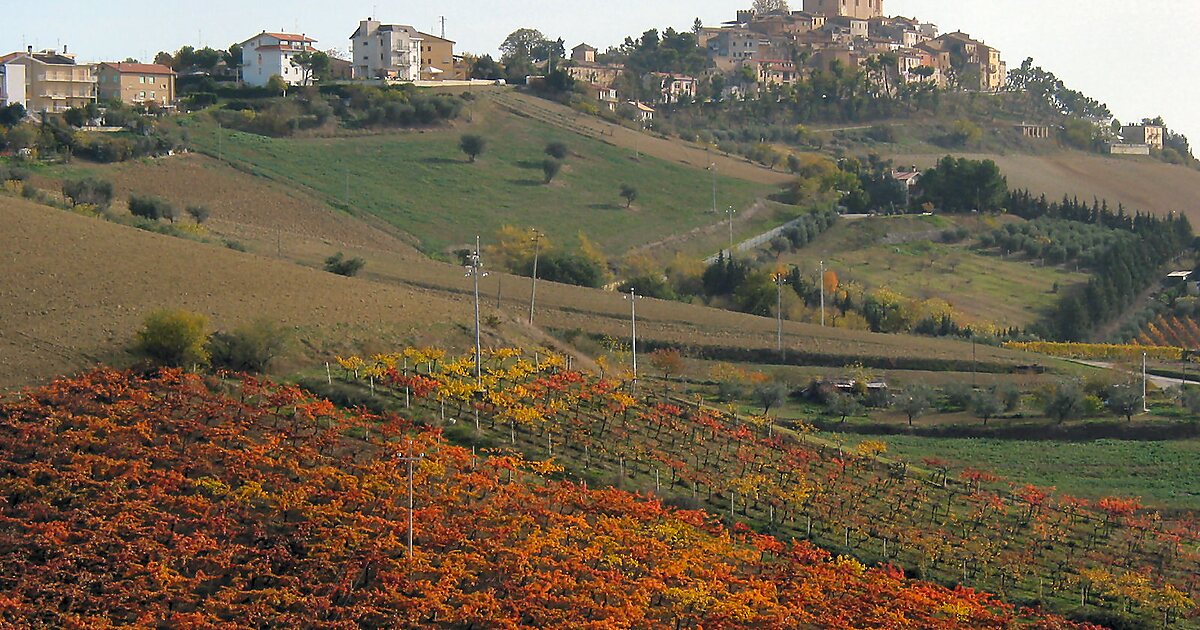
(156, 501)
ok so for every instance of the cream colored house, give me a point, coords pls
(54, 82)
(136, 83)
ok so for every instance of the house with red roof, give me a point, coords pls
(274, 54)
(136, 83)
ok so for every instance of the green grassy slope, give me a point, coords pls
(421, 182)
(903, 254)
(1165, 474)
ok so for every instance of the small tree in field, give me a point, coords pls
(629, 194)
(175, 338)
(769, 395)
(986, 405)
(1066, 402)
(1125, 400)
(199, 214)
(915, 402)
(472, 145)
(551, 167)
(668, 361)
(557, 150)
(842, 405)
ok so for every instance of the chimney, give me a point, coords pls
(30, 51)
(64, 49)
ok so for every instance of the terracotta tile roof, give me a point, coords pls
(281, 47)
(139, 68)
(9, 57)
(289, 37)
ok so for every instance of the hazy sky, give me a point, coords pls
(1136, 57)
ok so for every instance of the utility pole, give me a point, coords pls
(633, 298)
(411, 460)
(731, 212)
(821, 280)
(780, 279)
(1145, 386)
(712, 166)
(475, 262)
(537, 243)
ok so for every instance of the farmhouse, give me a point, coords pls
(274, 54)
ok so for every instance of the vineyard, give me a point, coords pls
(172, 501)
(1170, 330)
(966, 527)
(1099, 351)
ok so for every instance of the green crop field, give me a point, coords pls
(1164, 474)
(903, 254)
(422, 183)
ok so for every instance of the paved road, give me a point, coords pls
(1163, 382)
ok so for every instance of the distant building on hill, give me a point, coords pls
(1037, 132)
(438, 61)
(136, 83)
(860, 9)
(1151, 135)
(274, 54)
(583, 53)
(50, 81)
(386, 51)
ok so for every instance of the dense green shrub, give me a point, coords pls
(342, 266)
(174, 338)
(89, 190)
(250, 348)
(153, 208)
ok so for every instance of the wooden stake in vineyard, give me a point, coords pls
(411, 460)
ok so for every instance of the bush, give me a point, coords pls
(557, 150)
(343, 266)
(153, 208)
(472, 145)
(175, 338)
(90, 190)
(15, 174)
(199, 213)
(250, 348)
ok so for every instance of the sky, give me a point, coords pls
(1136, 57)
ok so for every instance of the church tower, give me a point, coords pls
(859, 9)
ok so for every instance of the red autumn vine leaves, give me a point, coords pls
(156, 502)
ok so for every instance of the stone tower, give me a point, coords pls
(860, 9)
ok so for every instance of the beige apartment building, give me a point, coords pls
(437, 60)
(858, 9)
(54, 83)
(136, 83)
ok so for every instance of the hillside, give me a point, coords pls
(420, 183)
(77, 288)
(269, 507)
(1139, 183)
(908, 254)
(64, 311)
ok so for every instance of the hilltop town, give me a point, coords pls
(765, 48)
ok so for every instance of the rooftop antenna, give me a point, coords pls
(443, 27)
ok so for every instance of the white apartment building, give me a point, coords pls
(268, 54)
(12, 85)
(386, 51)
